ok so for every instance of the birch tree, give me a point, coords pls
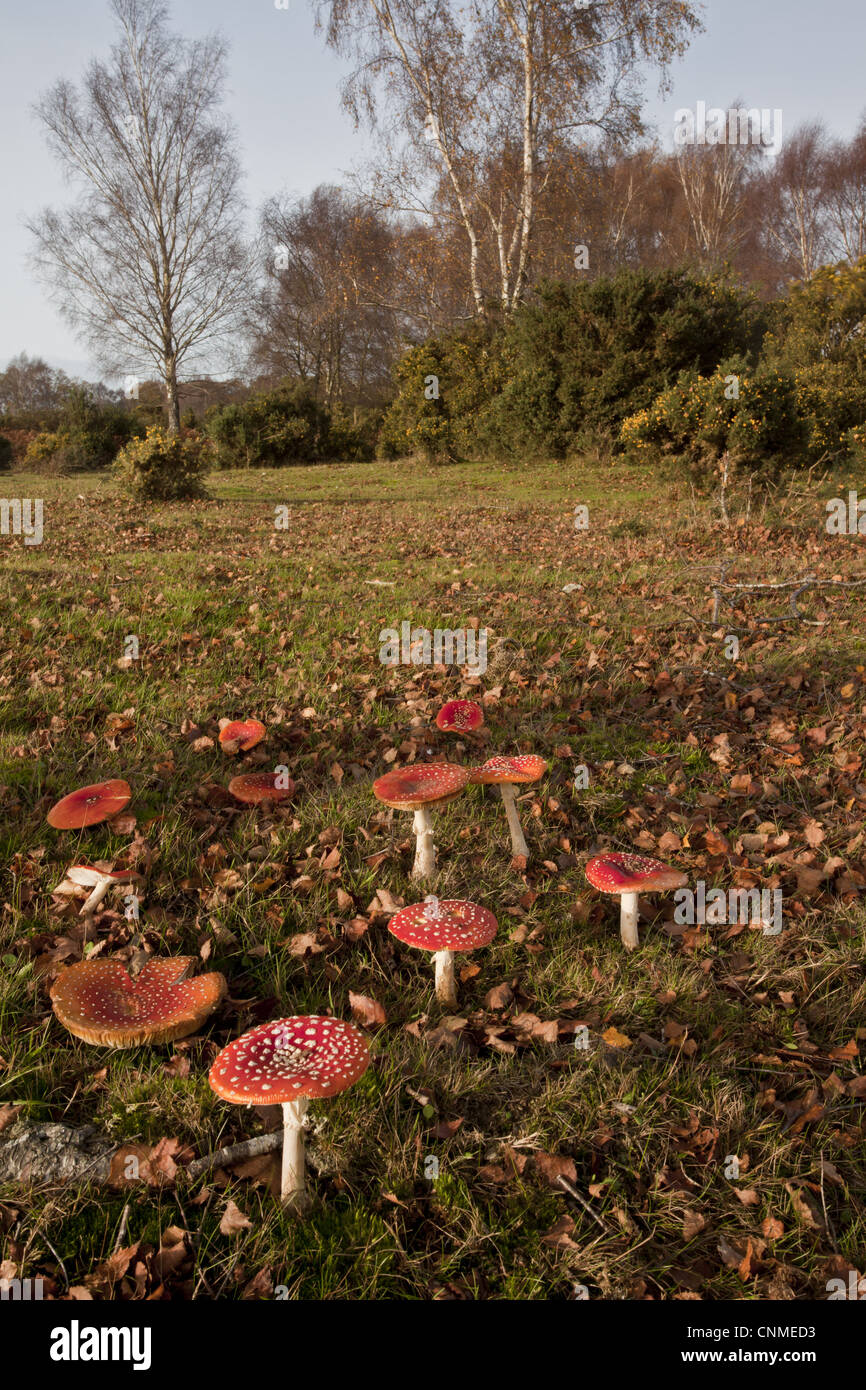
(149, 263)
(474, 101)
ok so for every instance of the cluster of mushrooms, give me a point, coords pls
(291, 1061)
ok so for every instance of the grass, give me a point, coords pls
(738, 1043)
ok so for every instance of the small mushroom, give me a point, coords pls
(626, 875)
(240, 735)
(253, 787)
(460, 717)
(418, 788)
(289, 1062)
(90, 805)
(99, 880)
(443, 928)
(507, 772)
(99, 1002)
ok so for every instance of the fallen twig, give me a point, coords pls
(235, 1153)
(573, 1192)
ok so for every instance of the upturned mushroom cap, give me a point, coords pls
(632, 873)
(88, 875)
(253, 787)
(460, 716)
(308, 1055)
(460, 926)
(90, 805)
(99, 1002)
(422, 784)
(245, 733)
(527, 767)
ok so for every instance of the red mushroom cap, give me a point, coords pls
(460, 926)
(528, 767)
(420, 785)
(309, 1055)
(89, 805)
(632, 873)
(460, 716)
(99, 1002)
(253, 787)
(246, 733)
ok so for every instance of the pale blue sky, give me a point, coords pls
(807, 58)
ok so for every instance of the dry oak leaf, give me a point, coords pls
(554, 1166)
(366, 1011)
(233, 1220)
(614, 1038)
(693, 1223)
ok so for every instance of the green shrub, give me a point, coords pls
(88, 435)
(832, 400)
(92, 432)
(585, 355)
(569, 366)
(6, 452)
(164, 467)
(752, 416)
(445, 388)
(270, 429)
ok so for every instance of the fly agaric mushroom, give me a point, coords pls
(90, 805)
(528, 767)
(240, 735)
(99, 1002)
(417, 788)
(626, 875)
(253, 787)
(99, 880)
(289, 1062)
(460, 717)
(443, 928)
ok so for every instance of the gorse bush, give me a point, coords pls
(752, 416)
(6, 453)
(88, 435)
(164, 467)
(832, 400)
(445, 390)
(585, 355)
(569, 366)
(275, 428)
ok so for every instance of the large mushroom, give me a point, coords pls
(254, 787)
(507, 773)
(99, 881)
(443, 928)
(90, 805)
(418, 788)
(99, 1002)
(460, 717)
(240, 735)
(289, 1062)
(626, 875)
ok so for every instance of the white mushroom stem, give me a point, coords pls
(518, 840)
(425, 849)
(99, 892)
(628, 921)
(446, 989)
(293, 1185)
